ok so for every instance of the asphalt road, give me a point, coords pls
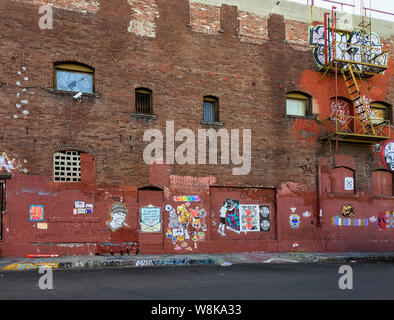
(372, 281)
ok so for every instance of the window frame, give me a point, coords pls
(215, 101)
(73, 67)
(300, 96)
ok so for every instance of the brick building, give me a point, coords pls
(74, 175)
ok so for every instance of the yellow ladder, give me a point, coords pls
(359, 103)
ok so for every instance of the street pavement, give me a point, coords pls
(238, 282)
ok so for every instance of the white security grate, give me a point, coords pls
(67, 166)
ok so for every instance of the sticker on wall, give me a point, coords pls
(79, 204)
(150, 219)
(347, 210)
(373, 219)
(294, 220)
(36, 212)
(338, 221)
(249, 215)
(89, 208)
(118, 216)
(349, 183)
(306, 214)
(42, 225)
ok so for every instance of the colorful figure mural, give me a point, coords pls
(229, 216)
(386, 220)
(118, 217)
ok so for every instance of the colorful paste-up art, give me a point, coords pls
(187, 198)
(229, 216)
(150, 219)
(81, 208)
(386, 220)
(387, 155)
(294, 220)
(347, 210)
(249, 215)
(36, 212)
(187, 224)
(265, 218)
(338, 221)
(118, 216)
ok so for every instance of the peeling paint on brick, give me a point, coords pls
(204, 18)
(144, 14)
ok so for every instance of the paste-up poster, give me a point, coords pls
(249, 215)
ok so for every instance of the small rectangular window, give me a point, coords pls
(143, 101)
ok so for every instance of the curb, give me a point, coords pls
(109, 263)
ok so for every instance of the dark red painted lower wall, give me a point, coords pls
(86, 219)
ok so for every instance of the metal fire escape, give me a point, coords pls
(356, 62)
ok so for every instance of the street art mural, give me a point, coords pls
(350, 46)
(347, 211)
(229, 216)
(338, 221)
(118, 216)
(386, 220)
(349, 183)
(249, 215)
(186, 225)
(387, 154)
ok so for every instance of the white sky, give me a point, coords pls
(382, 5)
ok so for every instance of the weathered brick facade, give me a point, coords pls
(182, 51)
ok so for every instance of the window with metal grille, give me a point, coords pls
(67, 166)
(143, 101)
(211, 109)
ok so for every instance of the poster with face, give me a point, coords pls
(265, 218)
(387, 155)
(249, 215)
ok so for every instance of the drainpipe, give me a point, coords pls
(319, 210)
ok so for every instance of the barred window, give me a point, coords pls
(143, 101)
(67, 166)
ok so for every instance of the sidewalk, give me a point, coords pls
(221, 259)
